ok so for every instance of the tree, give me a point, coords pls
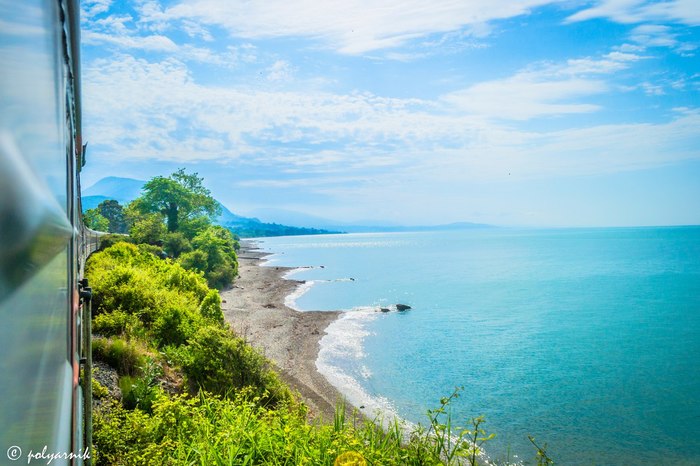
(148, 229)
(114, 213)
(180, 197)
(95, 221)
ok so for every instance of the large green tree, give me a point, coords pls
(181, 197)
(114, 213)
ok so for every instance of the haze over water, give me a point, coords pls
(587, 339)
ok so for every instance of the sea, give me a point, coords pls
(587, 340)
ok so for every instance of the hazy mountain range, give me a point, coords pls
(266, 221)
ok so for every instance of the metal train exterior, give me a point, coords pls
(44, 339)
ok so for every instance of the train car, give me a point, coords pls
(44, 355)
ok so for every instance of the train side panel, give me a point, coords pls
(39, 391)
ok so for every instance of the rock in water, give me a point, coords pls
(402, 307)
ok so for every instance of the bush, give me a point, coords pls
(125, 356)
(221, 276)
(165, 298)
(219, 362)
(141, 392)
(173, 325)
(153, 249)
(211, 307)
(175, 244)
(107, 241)
(195, 260)
(218, 245)
(98, 390)
(115, 323)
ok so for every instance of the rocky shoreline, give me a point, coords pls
(255, 308)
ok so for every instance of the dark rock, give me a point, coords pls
(402, 307)
(384, 309)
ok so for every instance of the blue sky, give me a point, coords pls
(529, 112)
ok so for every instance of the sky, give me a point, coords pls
(414, 112)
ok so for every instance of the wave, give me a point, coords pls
(291, 299)
(340, 361)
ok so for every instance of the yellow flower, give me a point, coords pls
(350, 458)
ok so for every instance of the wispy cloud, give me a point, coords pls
(523, 97)
(91, 8)
(353, 26)
(638, 11)
(157, 111)
(542, 89)
(152, 43)
(654, 35)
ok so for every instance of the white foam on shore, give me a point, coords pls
(342, 349)
(291, 299)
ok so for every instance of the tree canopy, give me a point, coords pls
(179, 197)
(181, 202)
(114, 213)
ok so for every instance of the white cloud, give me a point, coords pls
(148, 110)
(653, 35)
(523, 98)
(194, 30)
(91, 8)
(638, 11)
(280, 70)
(543, 89)
(152, 43)
(352, 26)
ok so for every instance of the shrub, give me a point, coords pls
(140, 392)
(175, 277)
(219, 362)
(195, 260)
(115, 323)
(221, 261)
(107, 241)
(123, 437)
(221, 276)
(153, 249)
(125, 356)
(175, 244)
(129, 281)
(211, 307)
(173, 325)
(98, 390)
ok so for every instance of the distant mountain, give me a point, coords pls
(126, 190)
(90, 202)
(290, 217)
(123, 190)
(297, 218)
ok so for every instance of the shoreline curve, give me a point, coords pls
(255, 308)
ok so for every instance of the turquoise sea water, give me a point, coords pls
(588, 339)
